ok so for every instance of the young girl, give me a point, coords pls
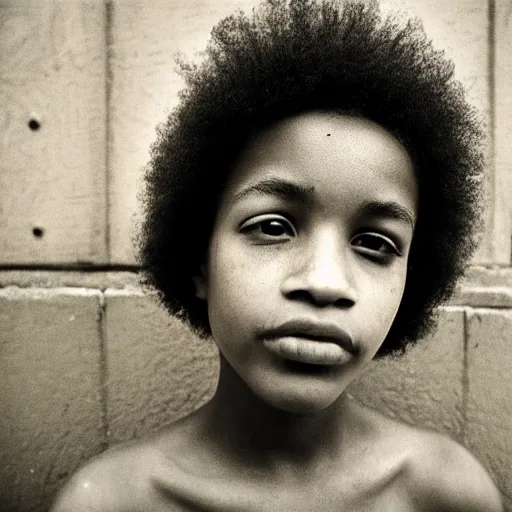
(308, 205)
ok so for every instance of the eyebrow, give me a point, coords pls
(280, 188)
(388, 209)
(294, 191)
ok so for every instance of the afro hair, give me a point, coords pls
(295, 56)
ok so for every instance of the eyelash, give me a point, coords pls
(254, 224)
(391, 247)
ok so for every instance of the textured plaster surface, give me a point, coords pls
(53, 74)
(157, 370)
(424, 387)
(489, 419)
(84, 369)
(482, 287)
(99, 280)
(50, 418)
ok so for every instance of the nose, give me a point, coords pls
(322, 273)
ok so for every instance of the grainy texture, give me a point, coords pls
(482, 287)
(489, 416)
(157, 370)
(65, 399)
(483, 296)
(100, 280)
(422, 388)
(52, 120)
(78, 364)
(492, 276)
(50, 418)
(502, 201)
(461, 29)
(144, 87)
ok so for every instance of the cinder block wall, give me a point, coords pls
(87, 360)
(84, 368)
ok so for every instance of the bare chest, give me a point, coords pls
(235, 495)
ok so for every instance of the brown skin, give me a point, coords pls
(386, 466)
(281, 435)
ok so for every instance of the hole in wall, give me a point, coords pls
(34, 125)
(38, 232)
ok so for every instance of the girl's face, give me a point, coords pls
(308, 258)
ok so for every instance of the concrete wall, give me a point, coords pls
(86, 360)
(84, 369)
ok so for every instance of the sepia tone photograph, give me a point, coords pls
(256, 255)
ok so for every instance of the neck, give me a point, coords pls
(244, 425)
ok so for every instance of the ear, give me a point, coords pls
(201, 284)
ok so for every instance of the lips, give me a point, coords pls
(309, 341)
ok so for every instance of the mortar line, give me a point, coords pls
(491, 63)
(109, 13)
(491, 85)
(103, 377)
(70, 267)
(465, 377)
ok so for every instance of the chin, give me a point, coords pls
(301, 401)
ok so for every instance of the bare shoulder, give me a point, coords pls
(142, 475)
(117, 480)
(448, 475)
(439, 474)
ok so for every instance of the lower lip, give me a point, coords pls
(309, 351)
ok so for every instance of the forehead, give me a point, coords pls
(339, 157)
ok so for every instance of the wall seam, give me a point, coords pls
(103, 379)
(109, 12)
(491, 62)
(465, 376)
(491, 83)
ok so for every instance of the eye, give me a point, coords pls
(270, 227)
(375, 246)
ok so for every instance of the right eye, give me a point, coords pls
(271, 228)
(375, 246)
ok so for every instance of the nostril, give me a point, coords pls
(300, 295)
(344, 303)
(320, 298)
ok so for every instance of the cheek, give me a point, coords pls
(237, 304)
(232, 287)
(384, 300)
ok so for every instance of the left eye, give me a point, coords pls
(375, 245)
(271, 228)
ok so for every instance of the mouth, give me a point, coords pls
(311, 342)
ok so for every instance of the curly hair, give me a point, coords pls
(295, 56)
